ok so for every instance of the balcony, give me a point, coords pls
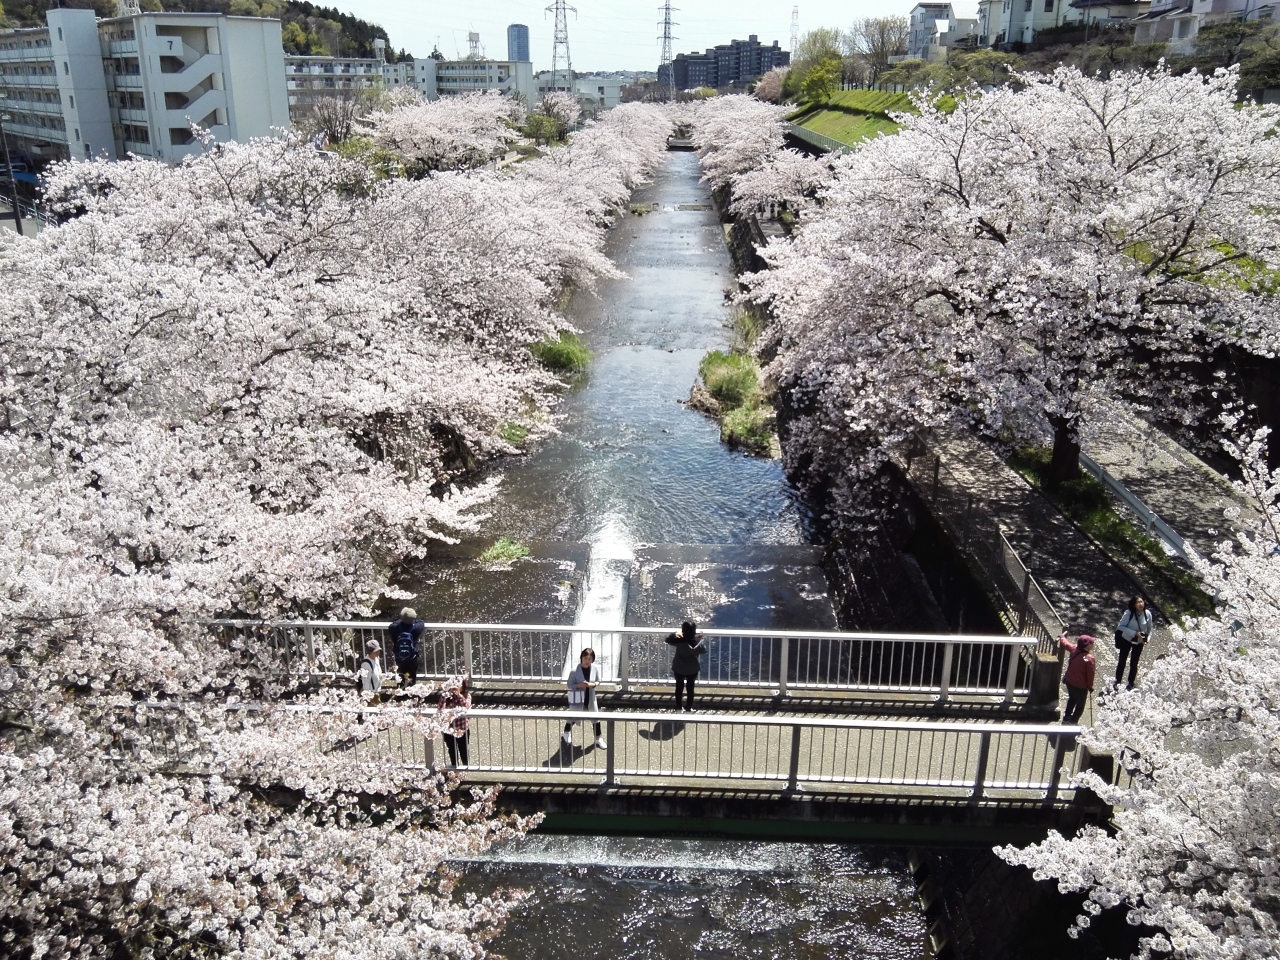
(127, 81)
(122, 48)
(30, 80)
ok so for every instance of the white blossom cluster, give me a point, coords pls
(248, 386)
(1194, 848)
(1015, 261)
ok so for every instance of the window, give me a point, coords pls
(1026, 7)
(59, 33)
(66, 70)
(77, 136)
(1184, 29)
(1048, 6)
(73, 100)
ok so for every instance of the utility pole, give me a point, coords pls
(795, 29)
(664, 66)
(8, 169)
(561, 10)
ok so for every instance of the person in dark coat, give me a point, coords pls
(1079, 676)
(685, 664)
(404, 637)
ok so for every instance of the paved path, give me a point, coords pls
(1085, 586)
(1178, 486)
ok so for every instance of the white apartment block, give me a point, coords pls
(512, 77)
(921, 26)
(595, 92)
(81, 87)
(313, 77)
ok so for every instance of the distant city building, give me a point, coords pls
(733, 64)
(517, 42)
(511, 77)
(596, 92)
(134, 83)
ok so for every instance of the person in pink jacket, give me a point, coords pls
(1079, 676)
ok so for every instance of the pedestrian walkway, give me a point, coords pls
(1086, 587)
(1179, 487)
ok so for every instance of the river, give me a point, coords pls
(632, 469)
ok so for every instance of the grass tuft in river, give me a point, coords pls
(567, 354)
(504, 551)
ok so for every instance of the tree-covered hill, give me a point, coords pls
(307, 27)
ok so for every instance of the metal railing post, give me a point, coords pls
(947, 653)
(1011, 675)
(429, 750)
(466, 653)
(783, 666)
(1055, 775)
(980, 777)
(309, 633)
(793, 771)
(610, 753)
(624, 666)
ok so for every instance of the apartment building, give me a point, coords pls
(511, 77)
(134, 83)
(1178, 22)
(733, 64)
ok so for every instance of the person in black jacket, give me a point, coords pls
(685, 664)
(404, 636)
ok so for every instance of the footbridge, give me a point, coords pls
(806, 733)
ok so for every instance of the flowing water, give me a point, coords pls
(631, 468)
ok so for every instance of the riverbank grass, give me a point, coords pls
(746, 420)
(565, 354)
(504, 551)
(1172, 586)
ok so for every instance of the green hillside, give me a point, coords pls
(852, 116)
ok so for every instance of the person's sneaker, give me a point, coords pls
(601, 744)
(567, 737)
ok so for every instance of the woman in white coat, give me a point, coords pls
(1132, 633)
(583, 680)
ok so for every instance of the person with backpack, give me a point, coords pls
(1079, 676)
(583, 681)
(684, 662)
(1132, 633)
(406, 636)
(370, 675)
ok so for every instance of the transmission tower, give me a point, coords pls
(561, 46)
(664, 65)
(795, 29)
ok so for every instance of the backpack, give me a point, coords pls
(359, 670)
(406, 644)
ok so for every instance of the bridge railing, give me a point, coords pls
(941, 666)
(971, 761)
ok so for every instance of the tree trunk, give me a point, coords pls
(1065, 464)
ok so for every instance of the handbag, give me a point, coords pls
(1120, 640)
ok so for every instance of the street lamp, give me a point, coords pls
(8, 166)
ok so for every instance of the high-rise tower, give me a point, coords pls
(665, 78)
(795, 29)
(561, 80)
(518, 42)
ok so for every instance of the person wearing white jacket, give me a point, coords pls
(583, 680)
(1132, 633)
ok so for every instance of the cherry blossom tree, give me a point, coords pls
(1016, 261)
(769, 88)
(1194, 844)
(450, 133)
(734, 135)
(250, 386)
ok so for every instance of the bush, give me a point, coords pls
(568, 354)
(749, 427)
(504, 550)
(732, 378)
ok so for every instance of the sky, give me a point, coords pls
(609, 34)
